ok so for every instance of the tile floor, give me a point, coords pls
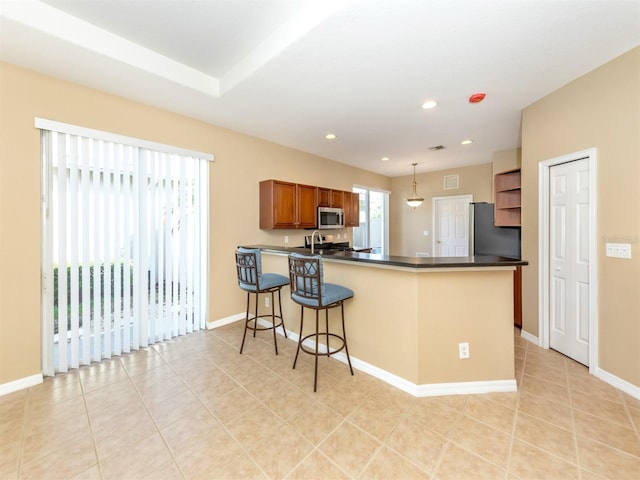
(193, 408)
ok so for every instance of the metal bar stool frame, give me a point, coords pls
(253, 281)
(309, 290)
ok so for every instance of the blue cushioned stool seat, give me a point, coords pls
(331, 293)
(308, 289)
(266, 281)
(253, 281)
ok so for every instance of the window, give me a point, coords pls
(125, 227)
(373, 231)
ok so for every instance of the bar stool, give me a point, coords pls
(252, 280)
(309, 290)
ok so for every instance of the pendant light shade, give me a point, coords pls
(414, 200)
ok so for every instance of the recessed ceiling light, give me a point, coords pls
(466, 142)
(330, 136)
(385, 159)
(429, 104)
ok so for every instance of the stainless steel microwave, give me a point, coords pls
(330, 218)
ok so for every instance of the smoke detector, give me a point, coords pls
(477, 97)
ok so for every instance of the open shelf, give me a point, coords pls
(507, 198)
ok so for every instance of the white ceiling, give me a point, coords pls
(290, 71)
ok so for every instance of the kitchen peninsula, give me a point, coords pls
(409, 315)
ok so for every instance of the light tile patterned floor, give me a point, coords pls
(193, 408)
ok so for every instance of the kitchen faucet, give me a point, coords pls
(313, 235)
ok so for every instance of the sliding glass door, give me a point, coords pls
(373, 231)
(124, 248)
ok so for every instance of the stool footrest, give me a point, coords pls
(255, 326)
(320, 353)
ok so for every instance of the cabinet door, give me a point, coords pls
(277, 204)
(351, 209)
(324, 197)
(337, 199)
(284, 205)
(307, 200)
(355, 209)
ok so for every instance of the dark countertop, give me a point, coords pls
(398, 261)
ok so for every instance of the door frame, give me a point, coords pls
(544, 229)
(434, 219)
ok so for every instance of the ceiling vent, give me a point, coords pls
(437, 147)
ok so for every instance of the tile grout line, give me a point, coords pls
(449, 441)
(244, 449)
(86, 411)
(316, 448)
(517, 412)
(23, 429)
(571, 411)
(220, 423)
(573, 427)
(146, 406)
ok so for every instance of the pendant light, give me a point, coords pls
(414, 200)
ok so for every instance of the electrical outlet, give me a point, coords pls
(266, 302)
(463, 350)
(286, 239)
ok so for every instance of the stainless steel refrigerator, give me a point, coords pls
(487, 239)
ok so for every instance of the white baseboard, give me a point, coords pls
(21, 383)
(225, 321)
(529, 337)
(466, 388)
(618, 383)
(425, 390)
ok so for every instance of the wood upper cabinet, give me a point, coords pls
(337, 199)
(351, 209)
(307, 201)
(324, 197)
(287, 205)
(507, 198)
(328, 197)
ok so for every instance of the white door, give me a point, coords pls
(451, 226)
(569, 259)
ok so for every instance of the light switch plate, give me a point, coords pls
(618, 250)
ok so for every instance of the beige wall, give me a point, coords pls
(241, 162)
(601, 110)
(407, 225)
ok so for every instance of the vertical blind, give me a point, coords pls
(125, 247)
